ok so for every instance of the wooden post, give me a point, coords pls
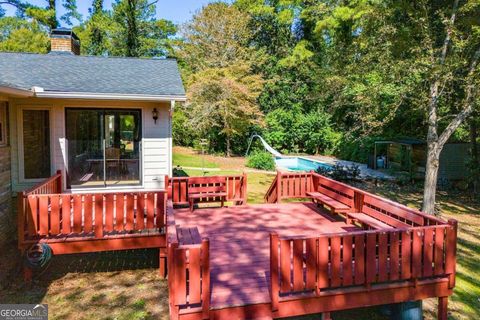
(244, 188)
(442, 308)
(358, 201)
(162, 262)
(279, 186)
(167, 184)
(59, 182)
(274, 270)
(451, 252)
(205, 278)
(171, 280)
(21, 219)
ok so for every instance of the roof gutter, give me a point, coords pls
(108, 96)
(16, 92)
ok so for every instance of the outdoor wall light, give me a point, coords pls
(155, 115)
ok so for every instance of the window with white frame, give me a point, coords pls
(3, 123)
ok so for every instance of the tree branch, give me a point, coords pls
(467, 108)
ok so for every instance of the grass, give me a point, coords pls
(126, 285)
(191, 160)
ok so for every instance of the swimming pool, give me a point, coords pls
(300, 164)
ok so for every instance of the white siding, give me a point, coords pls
(156, 142)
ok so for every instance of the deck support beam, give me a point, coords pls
(442, 308)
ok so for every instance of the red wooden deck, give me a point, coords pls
(239, 244)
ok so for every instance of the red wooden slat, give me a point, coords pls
(347, 261)
(160, 212)
(323, 275)
(359, 259)
(297, 265)
(382, 256)
(428, 246)
(77, 213)
(298, 182)
(98, 216)
(274, 270)
(88, 212)
(66, 214)
(180, 277)
(371, 261)
(194, 275)
(285, 272)
(130, 211)
(417, 245)
(55, 215)
(150, 210)
(406, 254)
(32, 216)
(394, 255)
(439, 250)
(311, 263)
(335, 263)
(183, 191)
(43, 215)
(109, 207)
(140, 221)
(119, 212)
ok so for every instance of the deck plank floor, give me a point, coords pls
(239, 244)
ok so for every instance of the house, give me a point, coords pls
(104, 122)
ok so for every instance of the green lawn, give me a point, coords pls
(191, 160)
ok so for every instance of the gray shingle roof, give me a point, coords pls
(87, 74)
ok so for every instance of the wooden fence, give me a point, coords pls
(236, 189)
(365, 258)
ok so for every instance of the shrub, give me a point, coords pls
(261, 160)
(341, 173)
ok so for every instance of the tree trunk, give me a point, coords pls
(431, 175)
(229, 151)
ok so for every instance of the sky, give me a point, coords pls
(178, 11)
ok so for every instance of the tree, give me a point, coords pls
(138, 33)
(451, 60)
(18, 35)
(218, 67)
(225, 98)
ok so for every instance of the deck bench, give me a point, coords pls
(207, 189)
(335, 205)
(367, 221)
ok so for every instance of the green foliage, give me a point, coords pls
(218, 68)
(293, 131)
(17, 35)
(129, 29)
(261, 160)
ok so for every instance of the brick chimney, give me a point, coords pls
(64, 40)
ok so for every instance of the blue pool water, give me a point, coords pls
(300, 164)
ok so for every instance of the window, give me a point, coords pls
(103, 147)
(3, 123)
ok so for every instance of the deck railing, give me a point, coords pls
(98, 214)
(236, 189)
(48, 186)
(188, 272)
(302, 266)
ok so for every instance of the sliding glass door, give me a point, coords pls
(103, 147)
